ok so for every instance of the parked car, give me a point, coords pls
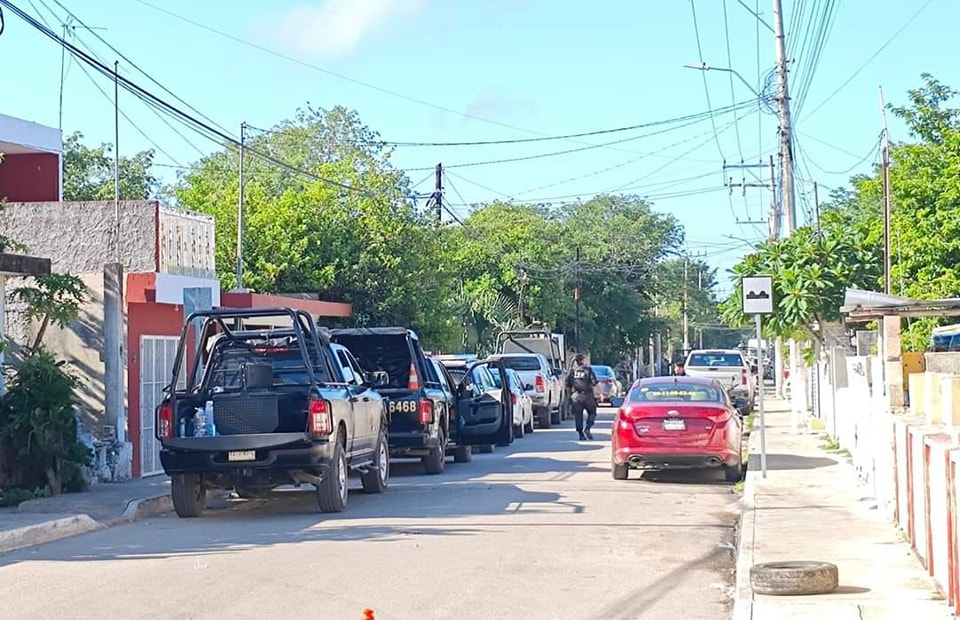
(676, 422)
(730, 368)
(485, 412)
(607, 385)
(265, 403)
(540, 382)
(521, 403)
(418, 409)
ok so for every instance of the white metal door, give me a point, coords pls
(157, 354)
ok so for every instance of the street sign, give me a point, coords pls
(757, 295)
(758, 300)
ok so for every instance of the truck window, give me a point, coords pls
(525, 363)
(715, 359)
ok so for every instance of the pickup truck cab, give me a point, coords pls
(729, 368)
(534, 341)
(263, 400)
(419, 411)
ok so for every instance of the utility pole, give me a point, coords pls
(116, 154)
(783, 100)
(576, 302)
(774, 223)
(700, 288)
(522, 279)
(887, 263)
(686, 318)
(240, 226)
(816, 208)
(438, 192)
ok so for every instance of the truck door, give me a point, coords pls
(483, 411)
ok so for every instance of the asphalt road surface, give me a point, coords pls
(537, 531)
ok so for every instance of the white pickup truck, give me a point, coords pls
(539, 382)
(727, 366)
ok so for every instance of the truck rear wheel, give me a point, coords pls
(376, 479)
(436, 461)
(544, 418)
(332, 491)
(463, 454)
(188, 494)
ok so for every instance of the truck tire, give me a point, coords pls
(544, 418)
(436, 461)
(188, 494)
(463, 454)
(486, 448)
(332, 491)
(794, 578)
(376, 479)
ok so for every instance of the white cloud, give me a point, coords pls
(336, 27)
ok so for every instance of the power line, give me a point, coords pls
(726, 35)
(149, 98)
(578, 149)
(706, 89)
(870, 59)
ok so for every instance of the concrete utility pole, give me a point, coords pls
(783, 101)
(686, 320)
(774, 223)
(116, 156)
(887, 262)
(243, 140)
(438, 192)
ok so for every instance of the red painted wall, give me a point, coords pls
(30, 177)
(144, 319)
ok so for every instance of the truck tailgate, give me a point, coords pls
(728, 377)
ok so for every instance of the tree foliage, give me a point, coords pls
(88, 172)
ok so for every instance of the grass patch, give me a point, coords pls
(738, 486)
(829, 444)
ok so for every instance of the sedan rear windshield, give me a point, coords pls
(675, 392)
(715, 359)
(522, 363)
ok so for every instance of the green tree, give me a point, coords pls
(88, 172)
(334, 219)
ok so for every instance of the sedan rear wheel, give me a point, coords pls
(620, 471)
(733, 473)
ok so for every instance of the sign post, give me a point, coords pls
(758, 300)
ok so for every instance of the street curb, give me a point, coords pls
(47, 531)
(743, 593)
(143, 508)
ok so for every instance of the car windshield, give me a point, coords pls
(603, 371)
(675, 392)
(525, 363)
(715, 359)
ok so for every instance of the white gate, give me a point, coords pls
(157, 354)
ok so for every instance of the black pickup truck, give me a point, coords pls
(260, 399)
(422, 412)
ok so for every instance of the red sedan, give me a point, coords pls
(676, 422)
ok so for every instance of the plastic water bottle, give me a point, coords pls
(208, 418)
(183, 426)
(199, 423)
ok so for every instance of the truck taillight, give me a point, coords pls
(743, 376)
(165, 421)
(320, 418)
(426, 411)
(539, 384)
(513, 398)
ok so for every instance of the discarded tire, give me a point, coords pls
(794, 578)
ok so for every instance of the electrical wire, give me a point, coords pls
(569, 151)
(197, 125)
(706, 88)
(733, 99)
(870, 59)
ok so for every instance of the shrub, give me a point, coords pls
(37, 420)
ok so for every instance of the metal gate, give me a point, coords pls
(157, 354)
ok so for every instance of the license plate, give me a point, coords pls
(242, 455)
(674, 425)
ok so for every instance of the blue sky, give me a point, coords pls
(476, 70)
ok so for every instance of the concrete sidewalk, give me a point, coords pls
(810, 507)
(40, 521)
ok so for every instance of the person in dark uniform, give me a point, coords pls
(580, 381)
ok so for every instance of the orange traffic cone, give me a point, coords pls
(413, 383)
(368, 614)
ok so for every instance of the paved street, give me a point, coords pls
(539, 531)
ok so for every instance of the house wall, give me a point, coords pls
(30, 177)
